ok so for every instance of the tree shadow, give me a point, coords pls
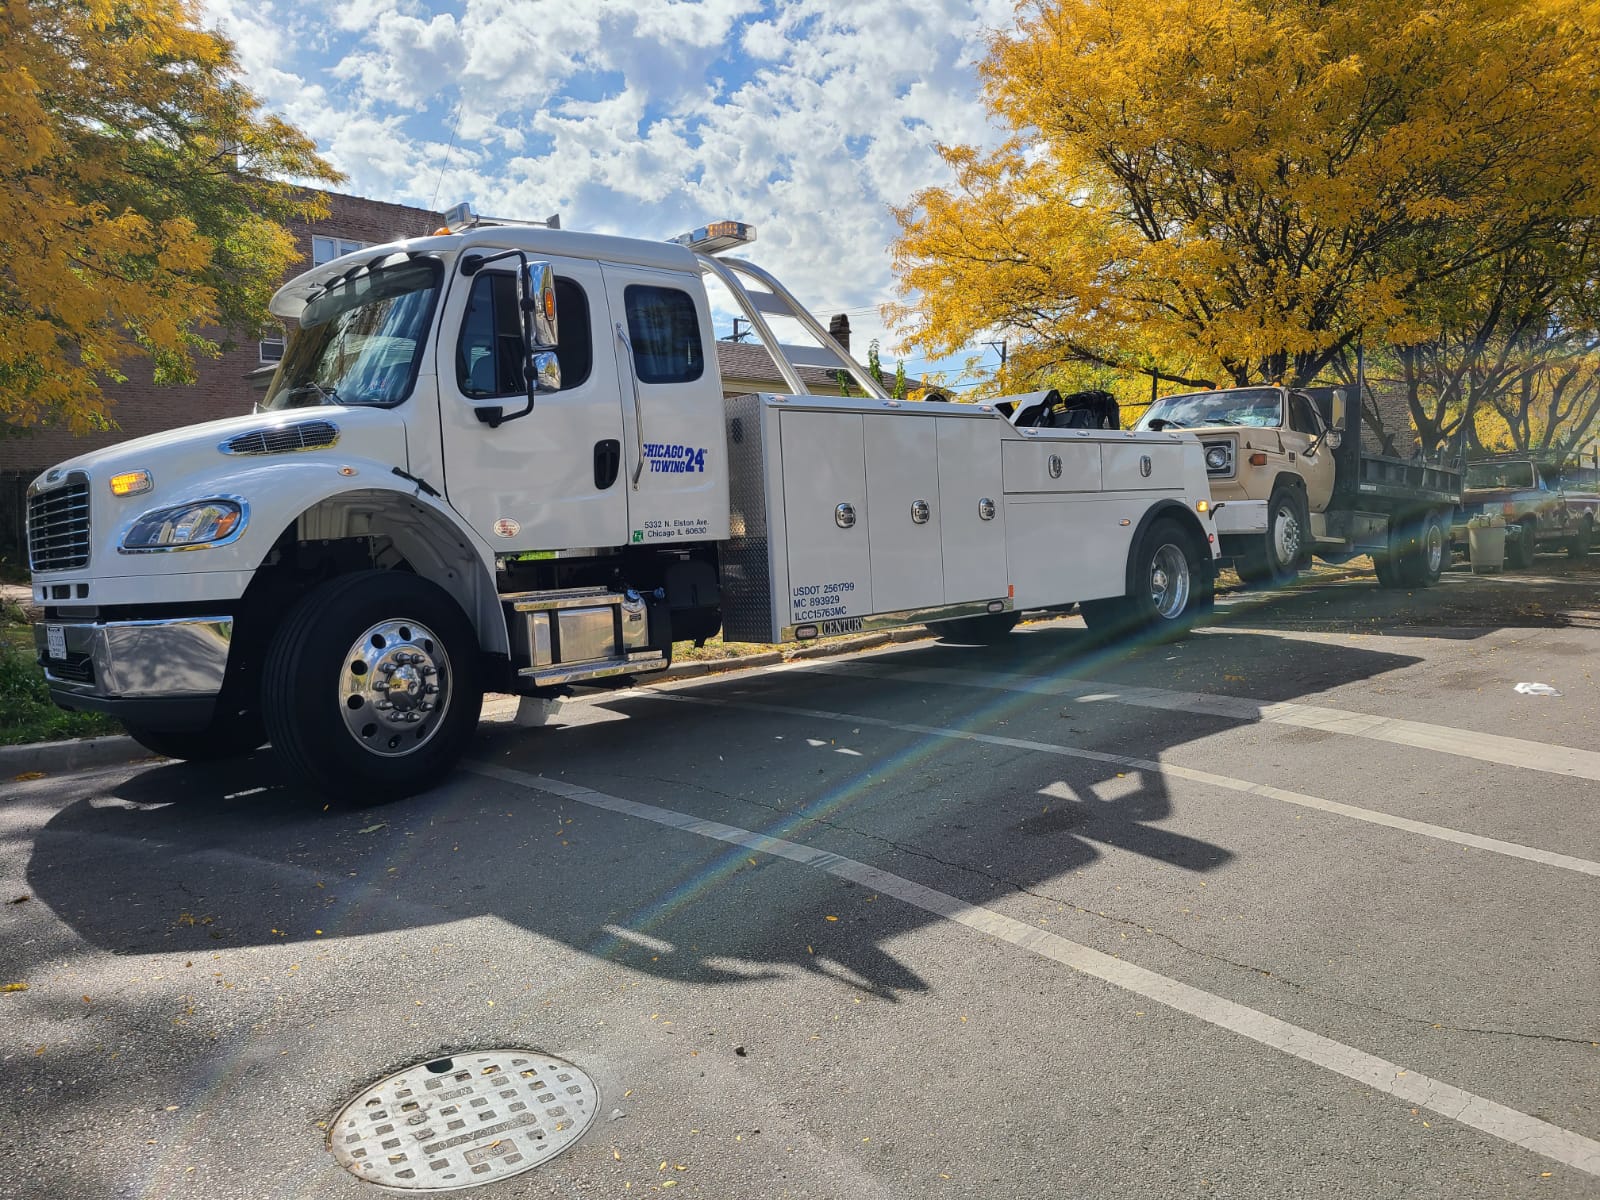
(199, 857)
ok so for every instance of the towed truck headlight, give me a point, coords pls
(1219, 456)
(192, 526)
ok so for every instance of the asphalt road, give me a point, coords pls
(1304, 905)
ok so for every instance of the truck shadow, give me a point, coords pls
(199, 858)
(1461, 607)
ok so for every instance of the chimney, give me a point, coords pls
(839, 330)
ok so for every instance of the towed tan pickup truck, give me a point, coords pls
(1289, 481)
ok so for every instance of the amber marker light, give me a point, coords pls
(131, 483)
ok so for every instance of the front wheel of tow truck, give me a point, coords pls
(372, 688)
(1171, 585)
(990, 629)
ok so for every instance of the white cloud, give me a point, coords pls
(643, 116)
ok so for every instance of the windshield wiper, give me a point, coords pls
(324, 394)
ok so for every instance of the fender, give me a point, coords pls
(1184, 517)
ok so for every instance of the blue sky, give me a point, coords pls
(643, 117)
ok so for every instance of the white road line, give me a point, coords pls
(1467, 1108)
(1464, 743)
(1438, 832)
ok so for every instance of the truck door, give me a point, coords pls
(1303, 430)
(549, 480)
(675, 449)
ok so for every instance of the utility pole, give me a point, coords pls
(1000, 349)
(738, 334)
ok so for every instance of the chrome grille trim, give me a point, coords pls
(58, 524)
(283, 439)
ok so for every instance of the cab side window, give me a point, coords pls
(489, 350)
(665, 334)
(1302, 414)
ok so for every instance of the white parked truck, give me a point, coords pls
(448, 491)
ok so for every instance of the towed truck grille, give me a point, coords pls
(305, 435)
(58, 526)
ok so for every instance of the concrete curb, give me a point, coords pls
(56, 758)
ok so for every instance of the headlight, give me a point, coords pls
(1217, 458)
(187, 526)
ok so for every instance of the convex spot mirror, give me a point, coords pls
(538, 300)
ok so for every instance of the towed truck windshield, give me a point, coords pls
(1258, 407)
(360, 341)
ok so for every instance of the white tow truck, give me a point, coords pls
(446, 491)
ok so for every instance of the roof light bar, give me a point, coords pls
(717, 236)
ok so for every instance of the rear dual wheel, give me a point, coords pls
(1172, 584)
(1419, 550)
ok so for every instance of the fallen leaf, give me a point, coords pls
(26, 776)
(374, 828)
(616, 1154)
(23, 899)
(830, 918)
(14, 987)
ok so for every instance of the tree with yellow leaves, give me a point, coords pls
(1237, 191)
(142, 195)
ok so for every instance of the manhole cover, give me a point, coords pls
(460, 1121)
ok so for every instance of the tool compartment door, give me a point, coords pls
(970, 484)
(1141, 466)
(830, 562)
(903, 485)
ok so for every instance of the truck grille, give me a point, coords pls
(305, 435)
(58, 526)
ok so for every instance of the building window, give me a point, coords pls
(326, 249)
(272, 347)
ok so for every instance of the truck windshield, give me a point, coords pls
(359, 342)
(1500, 475)
(1259, 407)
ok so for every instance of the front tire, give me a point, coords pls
(1284, 548)
(372, 689)
(1578, 544)
(1171, 584)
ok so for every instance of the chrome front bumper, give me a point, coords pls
(176, 658)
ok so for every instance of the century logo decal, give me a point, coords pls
(507, 528)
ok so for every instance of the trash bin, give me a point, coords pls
(1486, 539)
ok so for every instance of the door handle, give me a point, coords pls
(638, 412)
(607, 462)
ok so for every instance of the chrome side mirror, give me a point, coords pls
(539, 305)
(1335, 438)
(1339, 414)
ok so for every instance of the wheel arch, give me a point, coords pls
(1186, 518)
(425, 538)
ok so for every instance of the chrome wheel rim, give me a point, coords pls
(1434, 543)
(394, 688)
(1286, 536)
(1169, 581)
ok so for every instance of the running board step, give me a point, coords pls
(634, 664)
(568, 598)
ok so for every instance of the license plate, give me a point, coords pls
(55, 641)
